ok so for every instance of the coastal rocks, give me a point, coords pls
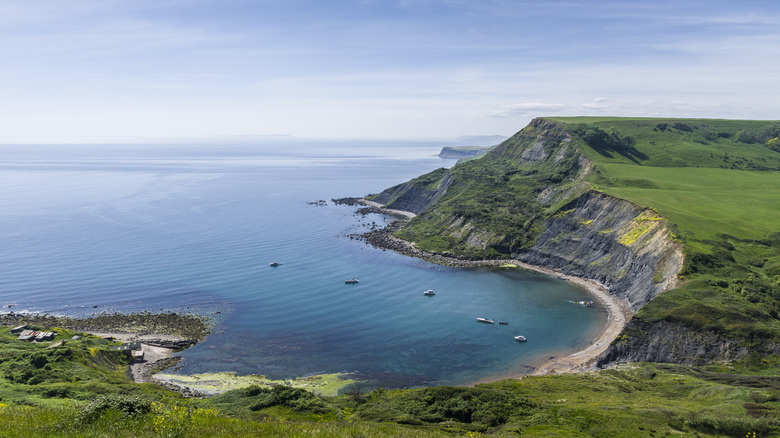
(347, 201)
(664, 341)
(189, 326)
(614, 242)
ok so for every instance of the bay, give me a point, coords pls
(193, 227)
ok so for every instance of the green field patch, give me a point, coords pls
(704, 203)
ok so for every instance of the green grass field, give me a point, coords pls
(704, 202)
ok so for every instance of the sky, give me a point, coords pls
(125, 70)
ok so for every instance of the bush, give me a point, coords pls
(280, 395)
(129, 406)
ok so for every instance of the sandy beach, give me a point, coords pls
(618, 314)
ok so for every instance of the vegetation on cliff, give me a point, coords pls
(490, 207)
(716, 182)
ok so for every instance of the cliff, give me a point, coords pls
(574, 194)
(625, 247)
(416, 195)
(664, 341)
(528, 198)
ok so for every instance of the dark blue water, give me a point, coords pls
(194, 227)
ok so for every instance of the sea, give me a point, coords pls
(91, 229)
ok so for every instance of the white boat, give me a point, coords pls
(351, 281)
(520, 338)
(485, 320)
(429, 292)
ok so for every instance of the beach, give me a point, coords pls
(618, 315)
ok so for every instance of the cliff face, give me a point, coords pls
(663, 341)
(528, 199)
(416, 195)
(627, 248)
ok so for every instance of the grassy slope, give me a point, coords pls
(705, 202)
(641, 400)
(52, 374)
(701, 177)
(496, 195)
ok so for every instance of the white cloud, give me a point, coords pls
(524, 109)
(597, 104)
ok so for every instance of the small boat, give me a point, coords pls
(520, 338)
(429, 292)
(485, 320)
(274, 264)
(351, 281)
(503, 322)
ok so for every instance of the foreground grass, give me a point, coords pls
(181, 422)
(640, 400)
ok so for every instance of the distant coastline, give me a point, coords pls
(461, 151)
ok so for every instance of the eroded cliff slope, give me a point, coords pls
(627, 248)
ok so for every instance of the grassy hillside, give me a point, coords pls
(640, 400)
(492, 208)
(709, 177)
(64, 370)
(712, 143)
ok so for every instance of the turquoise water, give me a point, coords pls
(90, 229)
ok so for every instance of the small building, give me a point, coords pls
(45, 336)
(133, 349)
(18, 329)
(31, 335)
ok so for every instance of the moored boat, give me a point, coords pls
(274, 264)
(429, 292)
(520, 338)
(485, 320)
(351, 281)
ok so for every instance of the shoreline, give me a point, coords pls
(618, 312)
(618, 315)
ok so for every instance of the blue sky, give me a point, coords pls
(101, 70)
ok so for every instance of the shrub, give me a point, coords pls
(281, 395)
(129, 406)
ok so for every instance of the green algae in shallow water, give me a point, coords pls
(216, 383)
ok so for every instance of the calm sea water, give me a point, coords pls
(105, 228)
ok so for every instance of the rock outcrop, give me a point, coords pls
(627, 248)
(414, 196)
(664, 341)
